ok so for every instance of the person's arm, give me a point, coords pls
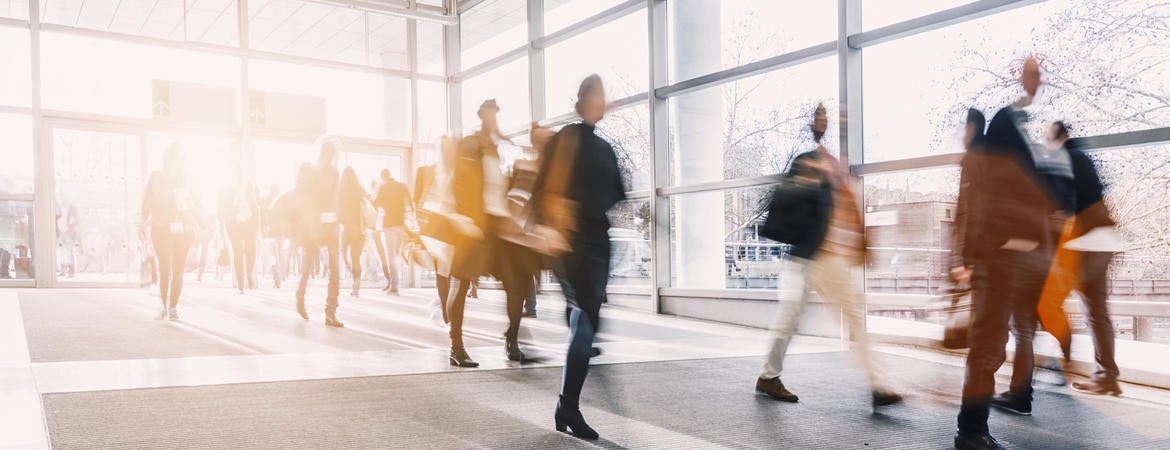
(960, 270)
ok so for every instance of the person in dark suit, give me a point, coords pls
(1011, 222)
(394, 200)
(578, 182)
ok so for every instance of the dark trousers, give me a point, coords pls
(311, 253)
(1005, 286)
(170, 250)
(587, 279)
(1094, 287)
(453, 305)
(243, 243)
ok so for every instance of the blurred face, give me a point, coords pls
(1030, 78)
(328, 155)
(490, 120)
(593, 107)
(820, 122)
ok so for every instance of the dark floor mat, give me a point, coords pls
(682, 404)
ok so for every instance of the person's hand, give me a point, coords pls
(961, 275)
(555, 243)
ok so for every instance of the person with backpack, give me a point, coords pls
(815, 211)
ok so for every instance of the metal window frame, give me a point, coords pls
(765, 65)
(934, 21)
(602, 18)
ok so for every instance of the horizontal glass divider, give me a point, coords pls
(1152, 136)
(724, 185)
(490, 64)
(468, 5)
(226, 50)
(638, 195)
(589, 23)
(570, 117)
(400, 10)
(900, 165)
(16, 196)
(735, 73)
(14, 23)
(6, 109)
(922, 24)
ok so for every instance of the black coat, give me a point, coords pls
(801, 208)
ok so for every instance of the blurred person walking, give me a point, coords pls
(239, 215)
(432, 202)
(578, 182)
(394, 201)
(354, 212)
(171, 208)
(1008, 250)
(318, 227)
(815, 210)
(1083, 269)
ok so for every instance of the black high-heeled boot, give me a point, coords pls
(512, 349)
(568, 416)
(460, 358)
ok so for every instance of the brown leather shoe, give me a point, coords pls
(775, 389)
(1097, 388)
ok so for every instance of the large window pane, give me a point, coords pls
(623, 67)
(628, 129)
(750, 127)
(708, 36)
(432, 111)
(431, 58)
(356, 103)
(16, 245)
(99, 179)
(909, 219)
(559, 14)
(1104, 62)
(507, 84)
(630, 242)
(492, 28)
(15, 9)
(717, 251)
(16, 173)
(336, 33)
(211, 21)
(119, 76)
(16, 77)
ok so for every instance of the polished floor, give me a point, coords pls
(95, 368)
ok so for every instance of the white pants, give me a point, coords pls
(831, 277)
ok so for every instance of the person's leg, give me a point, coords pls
(182, 243)
(568, 413)
(236, 242)
(396, 236)
(250, 259)
(991, 296)
(1095, 293)
(792, 296)
(308, 254)
(530, 298)
(456, 300)
(443, 286)
(162, 251)
(832, 278)
(333, 250)
(380, 245)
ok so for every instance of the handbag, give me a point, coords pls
(959, 315)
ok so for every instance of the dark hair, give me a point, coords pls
(976, 119)
(1062, 130)
(820, 110)
(589, 86)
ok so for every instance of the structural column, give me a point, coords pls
(699, 138)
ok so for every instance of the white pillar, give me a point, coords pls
(699, 136)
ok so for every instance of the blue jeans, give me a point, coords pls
(581, 333)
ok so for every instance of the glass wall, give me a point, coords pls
(120, 82)
(508, 85)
